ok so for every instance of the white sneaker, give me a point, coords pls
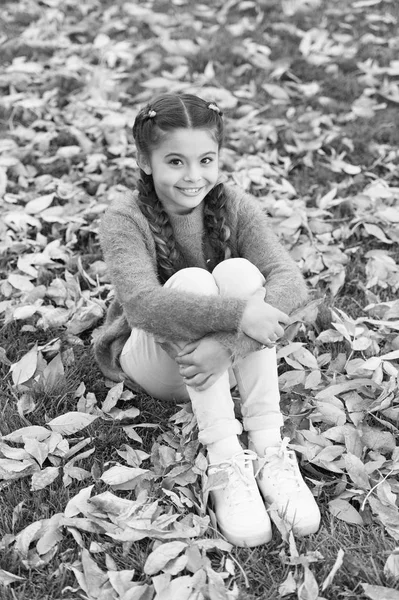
(240, 511)
(281, 485)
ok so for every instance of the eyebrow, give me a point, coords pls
(182, 155)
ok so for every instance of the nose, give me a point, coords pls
(193, 174)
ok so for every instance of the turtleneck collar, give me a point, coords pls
(190, 223)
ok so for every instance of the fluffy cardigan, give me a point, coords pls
(141, 301)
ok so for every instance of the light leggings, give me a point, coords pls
(144, 360)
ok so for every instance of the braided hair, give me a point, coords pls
(152, 124)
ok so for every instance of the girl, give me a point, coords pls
(203, 290)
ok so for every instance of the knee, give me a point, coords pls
(195, 280)
(238, 277)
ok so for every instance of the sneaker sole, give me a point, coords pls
(301, 531)
(246, 541)
(297, 527)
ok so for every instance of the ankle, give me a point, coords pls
(260, 440)
(223, 449)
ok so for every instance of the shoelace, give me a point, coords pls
(235, 469)
(282, 466)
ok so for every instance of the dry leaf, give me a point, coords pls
(379, 592)
(42, 479)
(346, 512)
(25, 368)
(71, 422)
(7, 578)
(158, 559)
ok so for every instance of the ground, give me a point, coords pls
(100, 486)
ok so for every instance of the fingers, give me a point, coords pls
(170, 348)
(201, 382)
(188, 372)
(188, 348)
(186, 360)
(279, 332)
(207, 384)
(198, 381)
(272, 338)
(282, 317)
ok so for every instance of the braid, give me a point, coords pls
(158, 220)
(216, 227)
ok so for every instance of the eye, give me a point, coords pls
(175, 161)
(207, 160)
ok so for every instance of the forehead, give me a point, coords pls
(187, 142)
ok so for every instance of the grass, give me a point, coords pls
(263, 569)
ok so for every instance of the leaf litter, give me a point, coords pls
(71, 87)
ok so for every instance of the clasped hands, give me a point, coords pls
(202, 362)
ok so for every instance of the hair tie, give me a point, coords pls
(214, 107)
(151, 114)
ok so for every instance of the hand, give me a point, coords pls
(203, 362)
(171, 348)
(261, 321)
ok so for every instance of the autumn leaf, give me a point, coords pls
(116, 476)
(164, 553)
(71, 422)
(346, 512)
(25, 368)
(379, 592)
(7, 578)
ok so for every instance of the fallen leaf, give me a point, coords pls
(25, 368)
(121, 475)
(37, 205)
(391, 567)
(356, 471)
(158, 559)
(288, 586)
(33, 431)
(346, 512)
(20, 282)
(308, 590)
(71, 422)
(79, 503)
(112, 398)
(7, 578)
(379, 592)
(42, 479)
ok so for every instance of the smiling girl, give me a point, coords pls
(203, 290)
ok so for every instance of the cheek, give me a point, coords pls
(163, 177)
(215, 171)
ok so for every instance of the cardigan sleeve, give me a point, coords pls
(238, 344)
(285, 286)
(167, 313)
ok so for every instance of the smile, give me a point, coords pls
(191, 191)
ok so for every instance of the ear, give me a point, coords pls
(144, 164)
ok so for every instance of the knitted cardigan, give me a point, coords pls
(141, 301)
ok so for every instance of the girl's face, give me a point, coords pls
(184, 167)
